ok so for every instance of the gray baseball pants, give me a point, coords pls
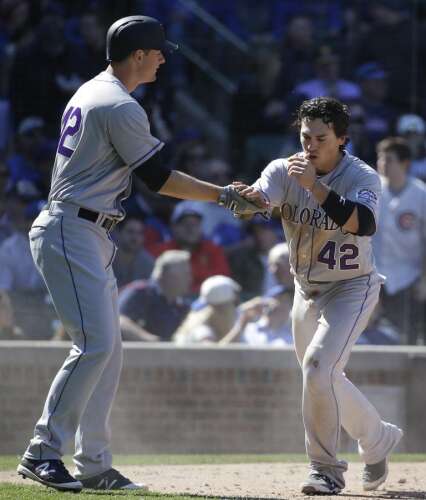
(74, 257)
(326, 324)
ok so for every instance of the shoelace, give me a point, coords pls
(325, 478)
(118, 476)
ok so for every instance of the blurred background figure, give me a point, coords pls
(30, 162)
(19, 278)
(327, 80)
(400, 241)
(152, 310)
(249, 259)
(379, 331)
(219, 296)
(8, 328)
(412, 128)
(131, 262)
(378, 113)
(279, 266)
(264, 320)
(218, 224)
(207, 258)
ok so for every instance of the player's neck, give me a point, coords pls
(125, 75)
(397, 185)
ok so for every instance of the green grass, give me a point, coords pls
(15, 492)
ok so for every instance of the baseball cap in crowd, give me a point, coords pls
(185, 208)
(410, 123)
(219, 290)
(133, 33)
(371, 71)
(29, 124)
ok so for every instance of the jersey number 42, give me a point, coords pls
(71, 125)
(346, 254)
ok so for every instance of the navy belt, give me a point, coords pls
(107, 223)
(102, 220)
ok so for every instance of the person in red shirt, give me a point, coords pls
(207, 258)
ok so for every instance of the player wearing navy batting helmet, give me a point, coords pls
(105, 139)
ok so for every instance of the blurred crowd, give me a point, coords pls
(189, 272)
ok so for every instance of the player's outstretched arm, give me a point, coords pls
(185, 187)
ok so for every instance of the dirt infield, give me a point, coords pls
(268, 481)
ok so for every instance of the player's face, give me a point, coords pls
(320, 143)
(389, 165)
(149, 65)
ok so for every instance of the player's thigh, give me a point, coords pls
(345, 312)
(74, 263)
(305, 315)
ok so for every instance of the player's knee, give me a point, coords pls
(316, 374)
(103, 351)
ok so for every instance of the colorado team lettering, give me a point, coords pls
(313, 217)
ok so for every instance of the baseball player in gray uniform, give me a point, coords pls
(105, 139)
(329, 202)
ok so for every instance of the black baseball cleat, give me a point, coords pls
(320, 484)
(51, 473)
(111, 480)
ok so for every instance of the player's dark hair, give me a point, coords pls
(329, 110)
(397, 145)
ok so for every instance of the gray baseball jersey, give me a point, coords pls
(336, 291)
(320, 251)
(399, 244)
(105, 134)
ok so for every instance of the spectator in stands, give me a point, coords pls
(132, 262)
(299, 50)
(218, 224)
(258, 109)
(249, 259)
(92, 32)
(5, 222)
(217, 314)
(349, 36)
(279, 266)
(378, 115)
(43, 92)
(400, 241)
(379, 331)
(207, 259)
(17, 269)
(19, 277)
(327, 81)
(152, 310)
(387, 43)
(412, 129)
(8, 328)
(30, 163)
(264, 321)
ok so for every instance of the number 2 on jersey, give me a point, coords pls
(69, 129)
(346, 253)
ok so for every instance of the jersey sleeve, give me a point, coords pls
(273, 181)
(367, 190)
(130, 134)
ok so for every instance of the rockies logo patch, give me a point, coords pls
(367, 195)
(407, 220)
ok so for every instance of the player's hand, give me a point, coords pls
(251, 193)
(302, 170)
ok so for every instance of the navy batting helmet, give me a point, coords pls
(133, 33)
